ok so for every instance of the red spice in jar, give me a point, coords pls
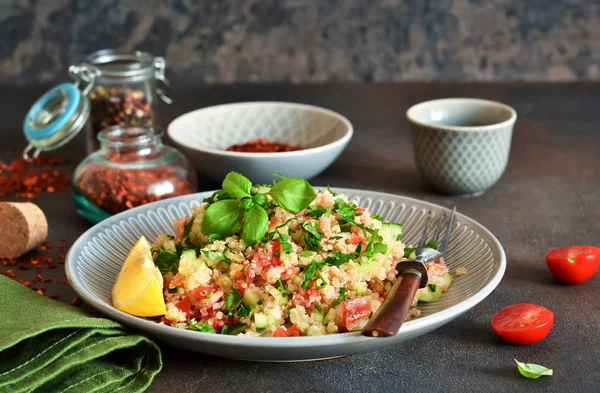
(262, 146)
(115, 189)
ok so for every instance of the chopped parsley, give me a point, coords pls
(408, 251)
(245, 311)
(317, 211)
(312, 238)
(281, 288)
(201, 327)
(331, 191)
(233, 301)
(166, 261)
(173, 290)
(188, 227)
(432, 244)
(432, 287)
(213, 254)
(307, 253)
(310, 273)
(375, 245)
(319, 308)
(377, 217)
(340, 298)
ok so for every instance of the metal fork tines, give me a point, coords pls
(426, 254)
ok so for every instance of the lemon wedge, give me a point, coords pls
(139, 287)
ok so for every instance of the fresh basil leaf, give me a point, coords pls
(217, 196)
(237, 185)
(166, 261)
(201, 327)
(340, 298)
(260, 199)
(282, 288)
(256, 223)
(223, 218)
(247, 203)
(188, 227)
(533, 371)
(293, 194)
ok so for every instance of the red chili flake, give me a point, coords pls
(28, 180)
(9, 262)
(26, 283)
(62, 282)
(61, 257)
(262, 146)
(9, 274)
(45, 246)
(24, 266)
(63, 239)
(40, 291)
(54, 297)
(76, 301)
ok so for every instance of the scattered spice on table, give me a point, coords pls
(76, 301)
(262, 146)
(28, 180)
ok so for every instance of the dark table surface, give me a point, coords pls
(549, 196)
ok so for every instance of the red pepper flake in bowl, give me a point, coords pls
(262, 146)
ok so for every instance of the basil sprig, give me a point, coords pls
(533, 371)
(246, 212)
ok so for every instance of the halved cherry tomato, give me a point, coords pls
(573, 264)
(185, 305)
(523, 323)
(353, 310)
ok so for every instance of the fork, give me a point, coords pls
(412, 275)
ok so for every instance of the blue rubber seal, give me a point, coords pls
(73, 98)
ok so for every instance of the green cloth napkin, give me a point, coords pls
(48, 346)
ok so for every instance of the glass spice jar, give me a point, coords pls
(125, 88)
(132, 168)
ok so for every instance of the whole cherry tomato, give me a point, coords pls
(573, 264)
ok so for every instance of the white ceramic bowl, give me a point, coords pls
(95, 259)
(205, 134)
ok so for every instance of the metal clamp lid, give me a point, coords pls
(56, 117)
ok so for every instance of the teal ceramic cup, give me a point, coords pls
(461, 145)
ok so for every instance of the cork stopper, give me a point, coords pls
(23, 227)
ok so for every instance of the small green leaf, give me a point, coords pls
(188, 227)
(256, 224)
(432, 244)
(216, 255)
(260, 199)
(237, 185)
(319, 308)
(223, 218)
(432, 287)
(201, 327)
(247, 203)
(533, 371)
(166, 261)
(293, 194)
(281, 288)
(340, 298)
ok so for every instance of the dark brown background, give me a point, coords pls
(549, 196)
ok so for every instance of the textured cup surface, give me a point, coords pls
(461, 145)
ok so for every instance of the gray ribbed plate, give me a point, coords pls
(96, 257)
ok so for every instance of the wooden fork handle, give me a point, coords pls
(390, 316)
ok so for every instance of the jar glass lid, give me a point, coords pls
(55, 118)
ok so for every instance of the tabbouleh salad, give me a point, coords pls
(281, 260)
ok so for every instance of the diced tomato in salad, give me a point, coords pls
(352, 311)
(203, 292)
(282, 331)
(185, 306)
